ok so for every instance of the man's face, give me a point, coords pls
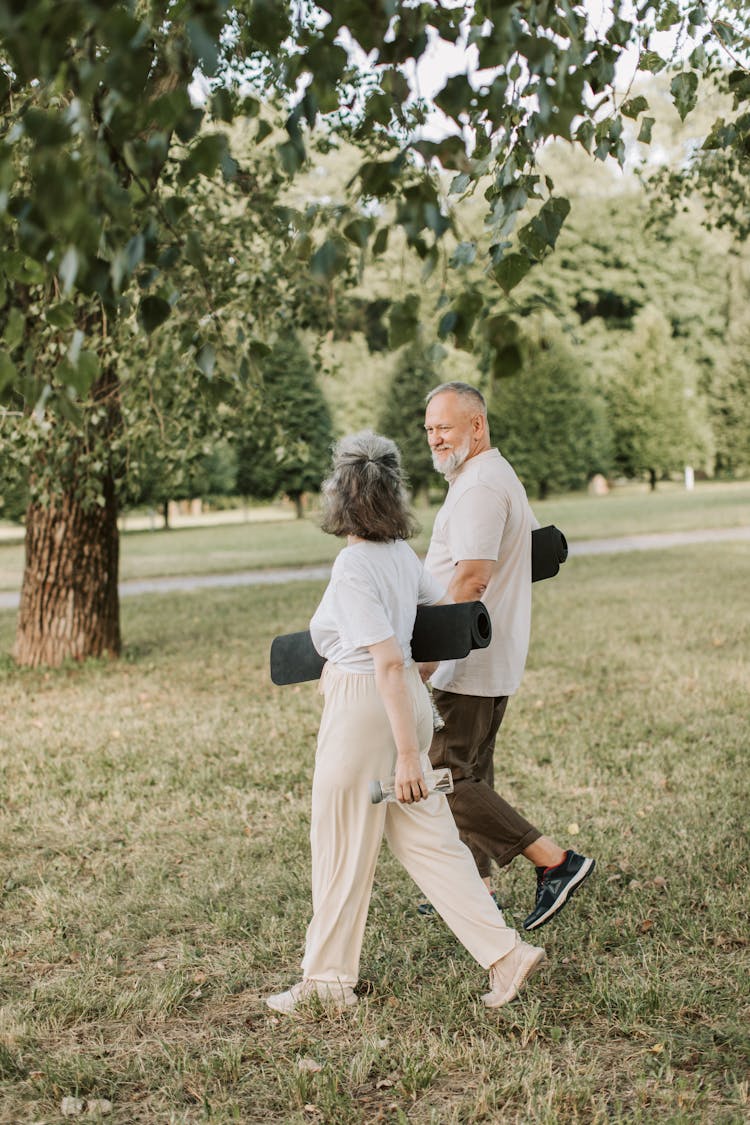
(448, 424)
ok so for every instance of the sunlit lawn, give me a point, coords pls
(153, 827)
(224, 548)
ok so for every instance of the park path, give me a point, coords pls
(166, 585)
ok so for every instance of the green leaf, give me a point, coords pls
(652, 62)
(189, 124)
(174, 208)
(684, 88)
(464, 255)
(511, 270)
(81, 374)
(88, 366)
(459, 320)
(329, 259)
(153, 311)
(358, 231)
(204, 157)
(205, 46)
(540, 234)
(667, 15)
(47, 130)
(206, 360)
(499, 331)
(403, 320)
(380, 242)
(634, 106)
(459, 183)
(644, 134)
(270, 23)
(456, 96)
(507, 361)
(264, 130)
(222, 104)
(7, 370)
(194, 251)
(60, 315)
(248, 107)
(14, 329)
(292, 155)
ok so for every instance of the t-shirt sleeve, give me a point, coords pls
(361, 617)
(430, 591)
(475, 527)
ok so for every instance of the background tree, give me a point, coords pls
(402, 414)
(648, 403)
(729, 401)
(547, 419)
(288, 447)
(101, 154)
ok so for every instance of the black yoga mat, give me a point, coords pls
(549, 548)
(441, 632)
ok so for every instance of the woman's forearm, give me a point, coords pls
(392, 691)
(390, 680)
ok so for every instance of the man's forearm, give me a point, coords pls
(465, 588)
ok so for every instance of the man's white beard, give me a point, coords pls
(447, 463)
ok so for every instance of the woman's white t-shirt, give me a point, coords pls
(373, 594)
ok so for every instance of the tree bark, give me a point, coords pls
(70, 606)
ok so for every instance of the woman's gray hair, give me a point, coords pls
(365, 494)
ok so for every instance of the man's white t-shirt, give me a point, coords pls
(372, 595)
(486, 515)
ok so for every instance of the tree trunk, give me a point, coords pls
(296, 498)
(70, 605)
(652, 480)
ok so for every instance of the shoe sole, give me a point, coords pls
(529, 969)
(570, 890)
(330, 1004)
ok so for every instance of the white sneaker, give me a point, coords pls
(338, 996)
(509, 974)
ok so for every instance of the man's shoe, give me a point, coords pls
(509, 974)
(555, 885)
(337, 996)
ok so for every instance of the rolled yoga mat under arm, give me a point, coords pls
(441, 632)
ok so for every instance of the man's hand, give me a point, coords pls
(410, 785)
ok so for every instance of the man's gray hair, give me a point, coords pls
(464, 390)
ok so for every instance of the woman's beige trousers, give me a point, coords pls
(355, 746)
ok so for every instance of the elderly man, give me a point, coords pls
(481, 549)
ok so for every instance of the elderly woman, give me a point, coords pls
(377, 720)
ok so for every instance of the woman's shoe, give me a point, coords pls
(332, 994)
(510, 973)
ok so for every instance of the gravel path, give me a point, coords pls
(10, 600)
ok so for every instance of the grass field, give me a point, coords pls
(224, 548)
(154, 883)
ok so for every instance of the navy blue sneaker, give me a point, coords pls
(555, 885)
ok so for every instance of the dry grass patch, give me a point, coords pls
(155, 878)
